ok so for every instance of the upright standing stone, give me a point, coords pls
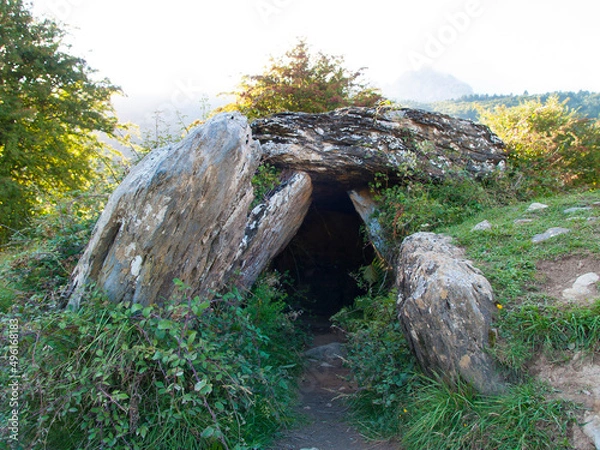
(180, 213)
(445, 308)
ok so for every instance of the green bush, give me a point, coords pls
(550, 146)
(198, 375)
(415, 206)
(38, 261)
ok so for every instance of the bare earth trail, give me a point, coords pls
(323, 387)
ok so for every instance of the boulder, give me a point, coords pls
(348, 146)
(180, 213)
(445, 307)
(270, 227)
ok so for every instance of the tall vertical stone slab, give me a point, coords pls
(270, 227)
(180, 213)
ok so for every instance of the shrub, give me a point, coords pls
(550, 146)
(38, 261)
(197, 375)
(404, 209)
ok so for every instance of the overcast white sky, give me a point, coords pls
(181, 49)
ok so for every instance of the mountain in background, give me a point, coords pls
(427, 85)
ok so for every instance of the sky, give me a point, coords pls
(170, 54)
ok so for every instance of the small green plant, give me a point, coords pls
(266, 179)
(193, 375)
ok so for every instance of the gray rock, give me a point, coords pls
(577, 209)
(350, 145)
(592, 428)
(548, 234)
(482, 226)
(582, 287)
(270, 227)
(445, 308)
(536, 207)
(328, 352)
(180, 213)
(522, 221)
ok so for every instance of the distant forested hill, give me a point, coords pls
(587, 103)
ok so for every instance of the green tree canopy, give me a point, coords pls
(50, 111)
(549, 141)
(301, 82)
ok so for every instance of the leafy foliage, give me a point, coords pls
(404, 209)
(50, 111)
(37, 262)
(302, 82)
(197, 375)
(264, 181)
(549, 144)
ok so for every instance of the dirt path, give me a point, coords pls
(322, 389)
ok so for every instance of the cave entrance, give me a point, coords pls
(320, 259)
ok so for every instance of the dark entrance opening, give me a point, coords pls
(319, 260)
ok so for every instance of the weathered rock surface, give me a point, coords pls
(270, 227)
(348, 146)
(445, 308)
(180, 213)
(549, 234)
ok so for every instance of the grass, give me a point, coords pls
(506, 254)
(426, 414)
(457, 419)
(531, 320)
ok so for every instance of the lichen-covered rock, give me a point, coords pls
(445, 308)
(180, 213)
(270, 227)
(347, 146)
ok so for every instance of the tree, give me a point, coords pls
(302, 82)
(549, 142)
(50, 112)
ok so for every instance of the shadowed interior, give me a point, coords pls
(319, 260)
